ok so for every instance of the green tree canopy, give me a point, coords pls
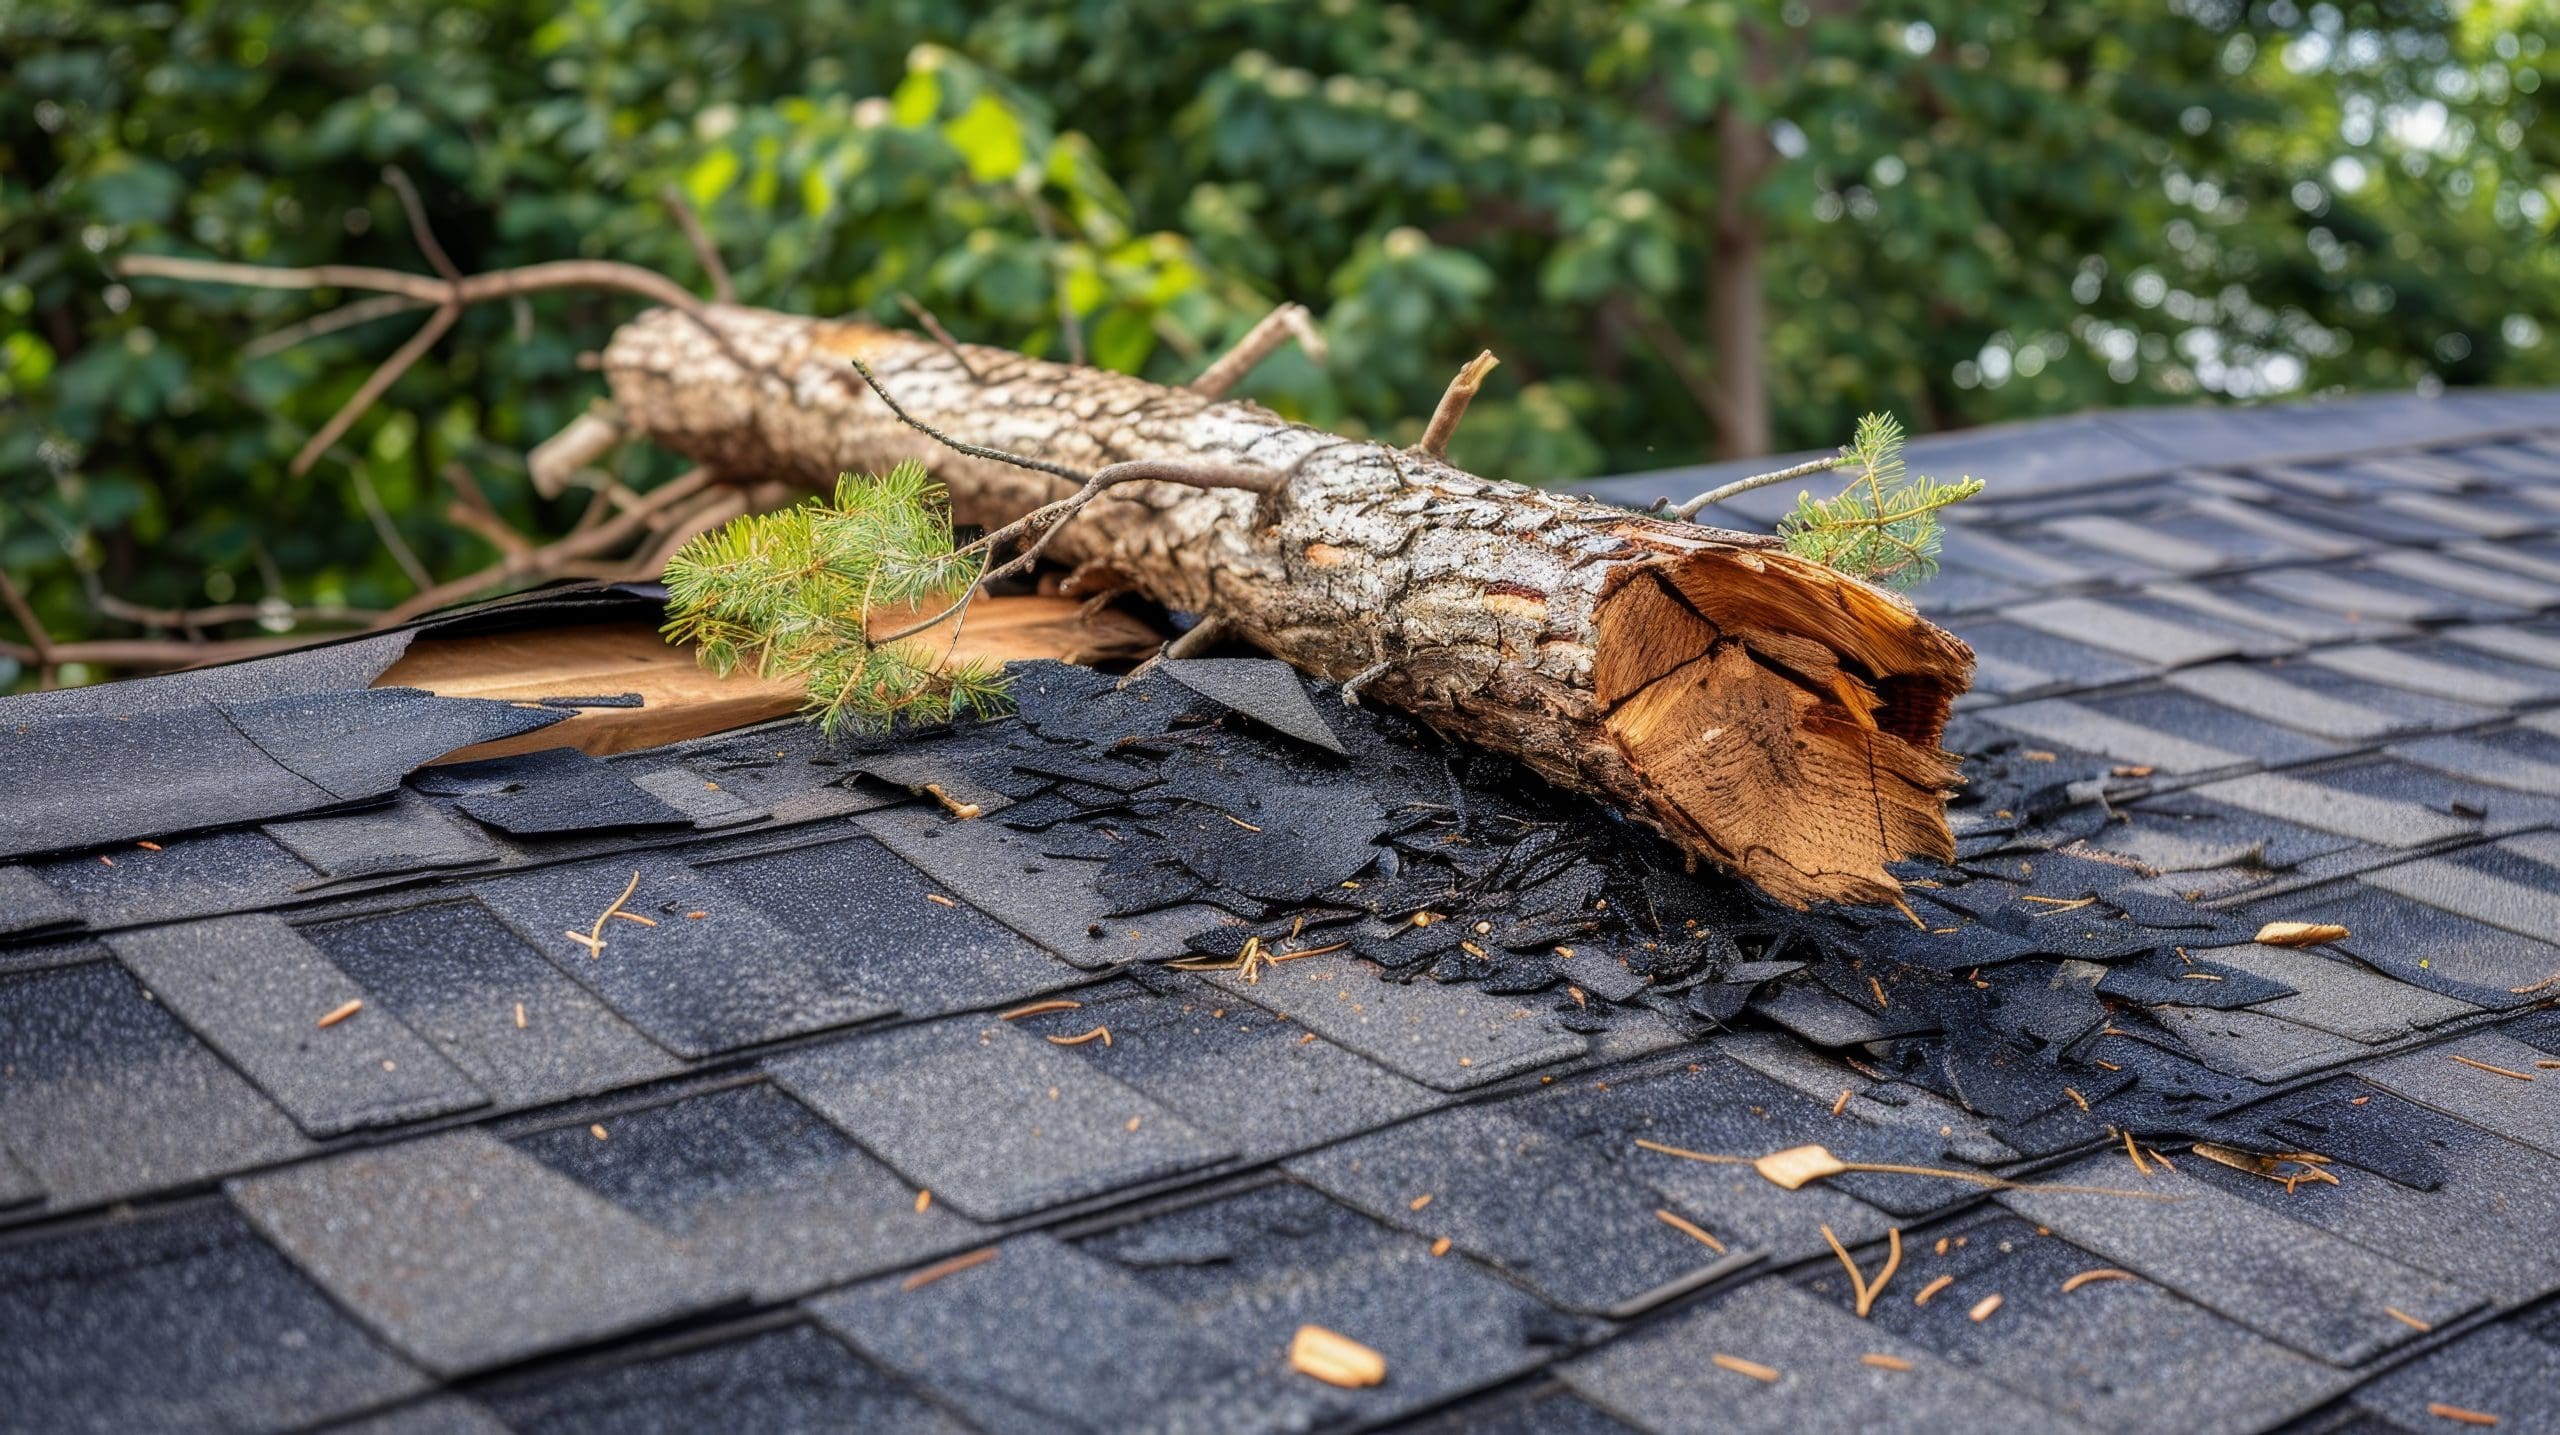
(1686, 227)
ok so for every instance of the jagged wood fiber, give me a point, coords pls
(1760, 710)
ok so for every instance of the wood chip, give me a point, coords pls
(962, 810)
(1036, 1008)
(695, 916)
(2411, 1321)
(1840, 1103)
(342, 1011)
(1796, 1165)
(519, 1016)
(597, 1131)
(924, 1201)
(1882, 1361)
(1691, 1229)
(1882, 1001)
(148, 846)
(2300, 934)
(1418, 1202)
(1080, 1039)
(1931, 1289)
(951, 1267)
(1240, 822)
(1766, 1375)
(1984, 1309)
(939, 900)
(1440, 1247)
(2458, 1415)
(2076, 1098)
(1335, 1359)
(2103, 1273)
(2493, 1070)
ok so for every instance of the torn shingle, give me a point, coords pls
(554, 791)
(758, 1187)
(2340, 997)
(698, 797)
(258, 993)
(183, 1319)
(466, 1254)
(518, 1028)
(871, 920)
(795, 1378)
(990, 1118)
(699, 986)
(90, 1054)
(1269, 692)
(407, 834)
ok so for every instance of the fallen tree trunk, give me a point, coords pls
(1761, 711)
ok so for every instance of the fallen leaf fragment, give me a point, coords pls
(2300, 934)
(1335, 1359)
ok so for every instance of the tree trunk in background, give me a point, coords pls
(1759, 710)
(1737, 308)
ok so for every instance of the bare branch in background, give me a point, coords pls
(931, 325)
(346, 316)
(419, 229)
(724, 290)
(1289, 321)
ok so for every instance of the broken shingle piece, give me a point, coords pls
(465, 1253)
(700, 986)
(1052, 900)
(548, 793)
(182, 1319)
(257, 992)
(406, 834)
(990, 1118)
(1264, 689)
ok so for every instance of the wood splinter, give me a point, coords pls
(1453, 405)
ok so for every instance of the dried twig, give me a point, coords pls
(1758, 480)
(1289, 321)
(724, 290)
(39, 642)
(419, 230)
(931, 325)
(345, 316)
(1453, 405)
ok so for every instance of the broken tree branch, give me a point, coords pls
(924, 317)
(1453, 405)
(1760, 710)
(1289, 321)
(1740, 486)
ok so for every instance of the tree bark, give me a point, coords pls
(1760, 711)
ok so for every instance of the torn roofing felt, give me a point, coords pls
(744, 1080)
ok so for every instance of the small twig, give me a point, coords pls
(1289, 321)
(556, 560)
(374, 388)
(1453, 405)
(219, 614)
(724, 290)
(931, 325)
(1758, 480)
(1204, 635)
(1362, 679)
(993, 455)
(419, 229)
(38, 640)
(387, 531)
(345, 316)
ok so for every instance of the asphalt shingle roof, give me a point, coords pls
(789, 1153)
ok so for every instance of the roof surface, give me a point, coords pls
(693, 1087)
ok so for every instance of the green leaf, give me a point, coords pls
(989, 139)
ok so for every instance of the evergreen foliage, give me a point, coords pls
(1884, 526)
(791, 594)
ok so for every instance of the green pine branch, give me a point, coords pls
(790, 594)
(1884, 526)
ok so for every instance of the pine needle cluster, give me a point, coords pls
(1884, 526)
(790, 594)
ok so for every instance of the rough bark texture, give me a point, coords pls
(1761, 711)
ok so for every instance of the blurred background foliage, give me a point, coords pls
(1689, 227)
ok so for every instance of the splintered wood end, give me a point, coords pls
(1783, 719)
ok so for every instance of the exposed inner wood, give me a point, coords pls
(1761, 711)
(681, 699)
